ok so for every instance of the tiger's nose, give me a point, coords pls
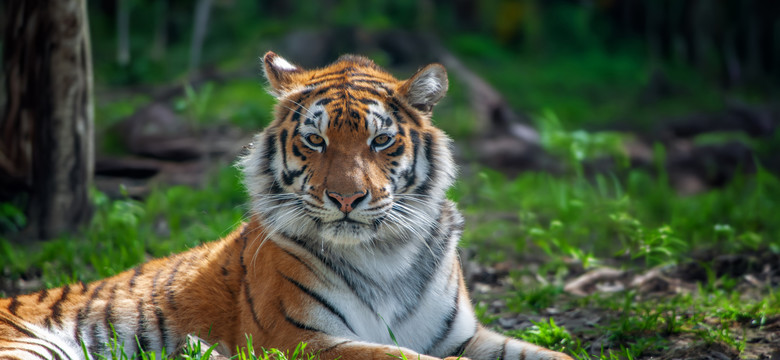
(346, 203)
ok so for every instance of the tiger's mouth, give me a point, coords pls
(348, 220)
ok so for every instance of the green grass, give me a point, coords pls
(125, 232)
(638, 218)
(631, 325)
(194, 350)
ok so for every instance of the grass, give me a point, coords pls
(125, 232)
(194, 350)
(641, 327)
(637, 218)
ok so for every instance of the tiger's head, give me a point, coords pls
(351, 156)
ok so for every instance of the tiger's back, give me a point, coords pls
(350, 235)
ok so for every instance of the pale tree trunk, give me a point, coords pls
(202, 10)
(46, 133)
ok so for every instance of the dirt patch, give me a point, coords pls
(673, 331)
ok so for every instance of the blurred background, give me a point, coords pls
(697, 77)
(639, 135)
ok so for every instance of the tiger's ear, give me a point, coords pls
(279, 73)
(426, 87)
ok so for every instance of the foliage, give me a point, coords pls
(193, 350)
(12, 219)
(575, 147)
(583, 219)
(547, 334)
(125, 232)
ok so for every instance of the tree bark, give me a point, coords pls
(200, 24)
(46, 133)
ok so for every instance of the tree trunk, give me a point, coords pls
(202, 10)
(46, 138)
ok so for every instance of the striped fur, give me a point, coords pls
(350, 235)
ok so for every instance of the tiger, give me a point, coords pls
(349, 245)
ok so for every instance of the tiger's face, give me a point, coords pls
(351, 157)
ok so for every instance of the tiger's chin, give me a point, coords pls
(347, 233)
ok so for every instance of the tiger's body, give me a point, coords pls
(350, 234)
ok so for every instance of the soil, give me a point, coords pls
(589, 323)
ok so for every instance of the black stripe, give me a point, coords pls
(247, 296)
(426, 184)
(319, 299)
(354, 86)
(14, 305)
(398, 151)
(250, 302)
(427, 258)
(97, 347)
(270, 147)
(346, 271)
(323, 102)
(445, 332)
(297, 152)
(138, 270)
(296, 116)
(43, 295)
(55, 354)
(298, 98)
(158, 312)
(108, 312)
(341, 71)
(144, 343)
(170, 293)
(461, 349)
(409, 174)
(56, 308)
(332, 347)
(398, 107)
(84, 312)
(18, 328)
(294, 322)
(300, 325)
(283, 140)
(503, 349)
(30, 351)
(395, 113)
(30, 334)
(164, 337)
(307, 265)
(289, 176)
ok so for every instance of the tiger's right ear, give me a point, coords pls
(279, 72)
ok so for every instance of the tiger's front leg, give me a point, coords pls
(329, 347)
(488, 345)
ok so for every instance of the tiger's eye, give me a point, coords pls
(315, 139)
(381, 140)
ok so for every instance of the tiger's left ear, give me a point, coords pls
(426, 87)
(279, 72)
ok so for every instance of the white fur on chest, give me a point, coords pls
(415, 327)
